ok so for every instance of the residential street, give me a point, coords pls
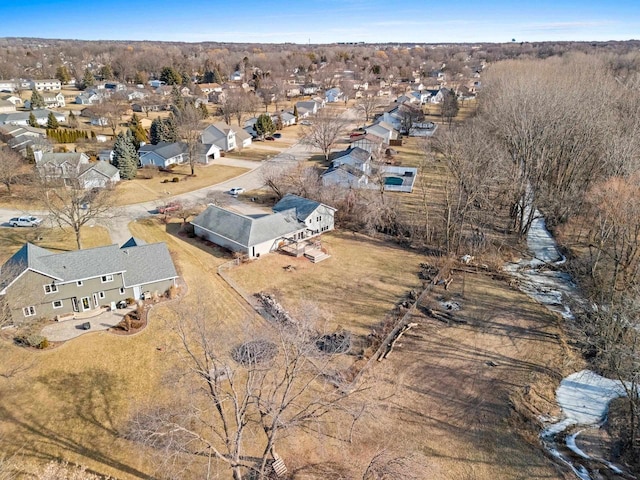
(118, 224)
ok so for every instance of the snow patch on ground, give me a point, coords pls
(547, 286)
(584, 398)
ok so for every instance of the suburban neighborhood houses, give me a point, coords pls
(316, 261)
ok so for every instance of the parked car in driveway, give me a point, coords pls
(170, 207)
(26, 221)
(236, 191)
(277, 135)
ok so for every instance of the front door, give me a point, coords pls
(74, 302)
(86, 303)
(95, 300)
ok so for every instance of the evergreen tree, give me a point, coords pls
(106, 72)
(88, 80)
(138, 132)
(295, 112)
(31, 158)
(37, 101)
(125, 156)
(32, 120)
(170, 76)
(164, 130)
(52, 121)
(62, 74)
(264, 125)
(178, 99)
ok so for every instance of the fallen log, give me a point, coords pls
(392, 343)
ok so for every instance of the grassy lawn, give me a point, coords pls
(144, 190)
(355, 288)
(54, 239)
(73, 402)
(253, 153)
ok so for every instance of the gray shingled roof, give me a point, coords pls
(140, 264)
(105, 168)
(60, 158)
(247, 231)
(147, 263)
(215, 132)
(165, 150)
(303, 206)
(360, 155)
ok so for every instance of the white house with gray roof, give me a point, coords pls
(295, 218)
(37, 283)
(22, 118)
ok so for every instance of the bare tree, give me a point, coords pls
(368, 105)
(188, 121)
(73, 206)
(326, 129)
(263, 390)
(11, 164)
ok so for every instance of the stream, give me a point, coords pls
(583, 396)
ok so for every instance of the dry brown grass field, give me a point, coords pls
(148, 189)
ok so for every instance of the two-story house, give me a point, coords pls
(221, 135)
(74, 169)
(36, 283)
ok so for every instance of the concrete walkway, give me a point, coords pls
(69, 329)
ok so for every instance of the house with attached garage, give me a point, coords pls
(37, 283)
(165, 154)
(221, 135)
(46, 84)
(74, 169)
(293, 221)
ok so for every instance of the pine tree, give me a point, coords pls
(295, 112)
(62, 74)
(178, 99)
(32, 120)
(88, 80)
(264, 125)
(31, 158)
(170, 76)
(137, 131)
(164, 130)
(125, 156)
(106, 72)
(52, 121)
(37, 101)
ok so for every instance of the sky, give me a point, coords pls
(324, 21)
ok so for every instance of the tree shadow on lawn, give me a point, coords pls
(177, 230)
(84, 404)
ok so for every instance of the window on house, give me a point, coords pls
(121, 290)
(29, 311)
(106, 278)
(79, 283)
(318, 219)
(101, 294)
(57, 304)
(50, 288)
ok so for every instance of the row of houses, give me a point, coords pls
(15, 85)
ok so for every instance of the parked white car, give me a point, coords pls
(27, 221)
(236, 191)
